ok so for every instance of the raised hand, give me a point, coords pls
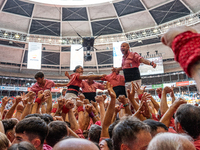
(88, 108)
(86, 101)
(18, 99)
(82, 97)
(104, 96)
(20, 107)
(5, 100)
(61, 103)
(31, 96)
(153, 64)
(110, 90)
(145, 97)
(168, 89)
(117, 108)
(94, 104)
(67, 74)
(79, 103)
(99, 98)
(123, 99)
(138, 89)
(159, 91)
(144, 109)
(178, 102)
(40, 94)
(69, 104)
(131, 94)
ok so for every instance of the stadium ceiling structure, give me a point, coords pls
(141, 22)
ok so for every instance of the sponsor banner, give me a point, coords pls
(192, 82)
(34, 55)
(21, 89)
(155, 86)
(169, 84)
(56, 89)
(8, 88)
(117, 54)
(147, 87)
(184, 83)
(76, 57)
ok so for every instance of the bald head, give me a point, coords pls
(124, 48)
(166, 141)
(75, 144)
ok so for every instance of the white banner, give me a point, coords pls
(76, 56)
(34, 55)
(117, 54)
(148, 70)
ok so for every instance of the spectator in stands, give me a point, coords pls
(170, 141)
(130, 63)
(33, 130)
(75, 144)
(131, 133)
(44, 84)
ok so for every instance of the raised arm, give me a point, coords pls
(12, 109)
(29, 104)
(131, 97)
(37, 102)
(100, 101)
(109, 113)
(91, 77)
(48, 99)
(147, 62)
(163, 102)
(125, 103)
(4, 102)
(81, 117)
(169, 113)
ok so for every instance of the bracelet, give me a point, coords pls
(126, 105)
(80, 108)
(29, 103)
(54, 110)
(150, 116)
(43, 103)
(140, 96)
(38, 100)
(122, 106)
(58, 113)
(91, 115)
(65, 110)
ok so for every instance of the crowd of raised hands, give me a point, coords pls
(82, 113)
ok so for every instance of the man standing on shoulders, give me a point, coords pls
(130, 63)
(44, 84)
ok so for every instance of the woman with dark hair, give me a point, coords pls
(76, 80)
(22, 146)
(106, 144)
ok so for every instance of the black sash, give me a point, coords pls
(131, 74)
(120, 90)
(90, 96)
(73, 89)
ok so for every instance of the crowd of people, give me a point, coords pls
(131, 120)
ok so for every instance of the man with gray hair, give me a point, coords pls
(171, 141)
(131, 134)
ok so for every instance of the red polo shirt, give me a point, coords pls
(48, 85)
(114, 79)
(131, 60)
(75, 81)
(88, 88)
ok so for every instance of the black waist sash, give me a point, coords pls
(131, 74)
(90, 96)
(120, 90)
(73, 89)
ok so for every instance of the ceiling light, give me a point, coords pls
(155, 30)
(178, 23)
(16, 36)
(5, 34)
(139, 41)
(49, 40)
(39, 39)
(190, 19)
(144, 33)
(166, 27)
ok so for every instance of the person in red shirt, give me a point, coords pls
(89, 88)
(76, 80)
(117, 81)
(44, 84)
(130, 63)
